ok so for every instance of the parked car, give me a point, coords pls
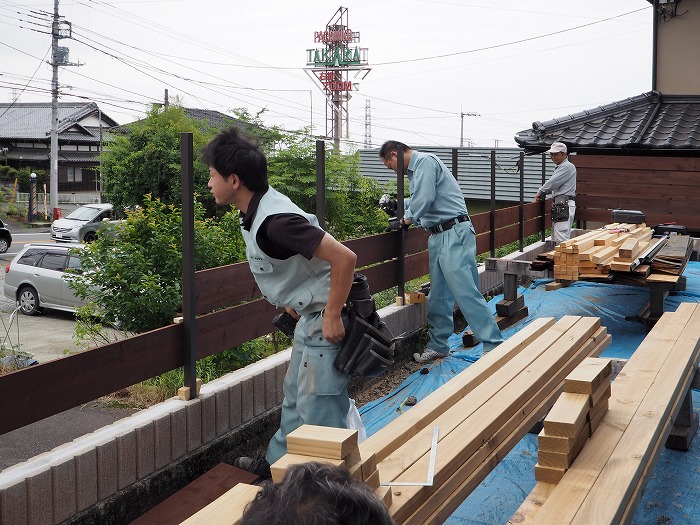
(35, 277)
(81, 225)
(5, 238)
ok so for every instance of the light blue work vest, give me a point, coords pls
(295, 282)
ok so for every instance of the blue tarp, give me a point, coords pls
(672, 493)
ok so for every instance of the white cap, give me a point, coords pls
(557, 147)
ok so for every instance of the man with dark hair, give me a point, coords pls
(437, 204)
(297, 266)
(316, 494)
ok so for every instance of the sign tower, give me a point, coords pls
(335, 68)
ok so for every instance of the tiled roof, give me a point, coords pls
(212, 118)
(651, 121)
(32, 120)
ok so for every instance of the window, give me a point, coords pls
(54, 261)
(74, 174)
(31, 257)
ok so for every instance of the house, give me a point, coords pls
(641, 153)
(25, 140)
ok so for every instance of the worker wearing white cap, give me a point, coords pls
(562, 186)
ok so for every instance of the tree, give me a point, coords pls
(134, 272)
(146, 159)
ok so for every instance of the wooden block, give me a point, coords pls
(555, 285)
(568, 415)
(508, 308)
(279, 467)
(559, 444)
(373, 480)
(414, 297)
(564, 460)
(325, 442)
(602, 393)
(183, 393)
(361, 467)
(400, 300)
(548, 474)
(384, 494)
(605, 254)
(596, 417)
(588, 376)
(226, 509)
(628, 247)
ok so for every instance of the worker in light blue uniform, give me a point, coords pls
(437, 204)
(297, 266)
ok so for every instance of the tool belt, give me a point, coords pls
(560, 208)
(368, 346)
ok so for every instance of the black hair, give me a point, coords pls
(316, 494)
(389, 146)
(233, 152)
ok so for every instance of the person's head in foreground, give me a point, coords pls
(316, 494)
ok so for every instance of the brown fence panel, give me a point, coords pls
(43, 390)
(65, 383)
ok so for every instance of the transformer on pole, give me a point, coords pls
(335, 68)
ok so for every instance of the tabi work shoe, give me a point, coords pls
(427, 355)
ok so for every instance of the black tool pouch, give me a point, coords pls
(368, 347)
(560, 209)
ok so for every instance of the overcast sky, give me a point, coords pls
(502, 64)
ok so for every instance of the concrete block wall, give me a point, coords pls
(76, 476)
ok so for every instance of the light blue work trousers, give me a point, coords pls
(454, 277)
(315, 393)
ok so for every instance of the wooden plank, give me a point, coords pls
(195, 495)
(415, 448)
(324, 442)
(529, 508)
(630, 388)
(392, 435)
(548, 474)
(601, 393)
(462, 443)
(227, 509)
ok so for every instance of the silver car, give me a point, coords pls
(81, 224)
(35, 277)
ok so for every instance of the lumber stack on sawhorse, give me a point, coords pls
(607, 479)
(480, 414)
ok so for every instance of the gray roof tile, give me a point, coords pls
(649, 121)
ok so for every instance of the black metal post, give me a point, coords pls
(492, 215)
(455, 163)
(521, 210)
(400, 249)
(321, 183)
(188, 267)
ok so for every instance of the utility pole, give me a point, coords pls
(462, 114)
(59, 57)
(53, 171)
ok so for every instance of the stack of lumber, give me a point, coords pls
(607, 479)
(481, 414)
(573, 418)
(336, 446)
(672, 258)
(615, 247)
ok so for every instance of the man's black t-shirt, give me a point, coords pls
(283, 235)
